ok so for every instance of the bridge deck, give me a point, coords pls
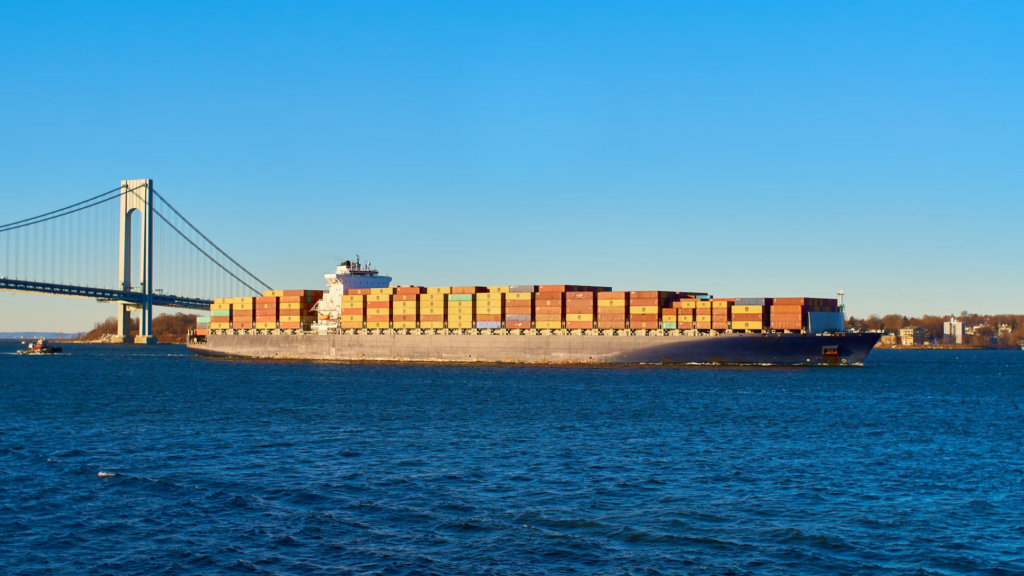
(103, 294)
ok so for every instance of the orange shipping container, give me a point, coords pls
(548, 317)
(379, 304)
(405, 297)
(610, 325)
(431, 317)
(645, 325)
(613, 295)
(518, 325)
(468, 289)
(405, 290)
(643, 318)
(602, 317)
(404, 317)
(587, 296)
(488, 317)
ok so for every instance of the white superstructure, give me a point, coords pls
(347, 276)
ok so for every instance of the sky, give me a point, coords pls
(743, 148)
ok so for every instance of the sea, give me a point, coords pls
(149, 460)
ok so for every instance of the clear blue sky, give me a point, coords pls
(743, 148)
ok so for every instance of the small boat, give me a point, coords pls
(41, 346)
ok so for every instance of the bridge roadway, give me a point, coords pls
(103, 294)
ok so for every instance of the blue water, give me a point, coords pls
(151, 461)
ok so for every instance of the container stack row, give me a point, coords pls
(792, 313)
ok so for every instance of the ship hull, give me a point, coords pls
(724, 349)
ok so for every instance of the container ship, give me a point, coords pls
(361, 317)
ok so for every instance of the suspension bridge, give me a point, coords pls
(91, 248)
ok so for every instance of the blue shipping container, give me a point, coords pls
(522, 288)
(488, 325)
(753, 301)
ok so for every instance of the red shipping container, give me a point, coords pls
(577, 325)
(378, 305)
(748, 317)
(588, 296)
(468, 289)
(684, 325)
(668, 312)
(646, 294)
(562, 288)
(611, 325)
(719, 325)
(646, 325)
(602, 317)
(643, 301)
(703, 325)
(787, 317)
(201, 332)
(518, 325)
(405, 317)
(643, 317)
(788, 309)
(488, 317)
(432, 318)
(687, 313)
(794, 301)
(613, 296)
(549, 317)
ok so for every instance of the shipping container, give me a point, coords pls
(515, 325)
(498, 289)
(611, 325)
(440, 290)
(431, 324)
(352, 325)
(381, 291)
(488, 325)
(579, 325)
(522, 289)
(467, 289)
(406, 290)
(432, 298)
(549, 325)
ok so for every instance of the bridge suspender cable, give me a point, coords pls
(264, 284)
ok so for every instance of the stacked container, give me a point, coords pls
(202, 326)
(549, 306)
(462, 305)
(265, 314)
(519, 307)
(686, 310)
(353, 309)
(612, 309)
(703, 314)
(669, 317)
(295, 308)
(645, 308)
(580, 309)
(242, 313)
(721, 313)
(405, 307)
(751, 313)
(378, 308)
(434, 307)
(220, 314)
(490, 308)
(791, 313)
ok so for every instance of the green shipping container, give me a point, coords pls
(202, 320)
(220, 313)
(460, 297)
(668, 325)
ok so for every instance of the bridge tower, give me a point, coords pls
(136, 195)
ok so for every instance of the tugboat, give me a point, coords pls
(41, 346)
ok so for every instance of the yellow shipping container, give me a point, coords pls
(721, 304)
(459, 318)
(405, 305)
(296, 318)
(431, 325)
(748, 309)
(378, 324)
(405, 324)
(548, 325)
(382, 291)
(440, 290)
(219, 300)
(292, 306)
(378, 297)
(432, 298)
(747, 325)
(220, 307)
(432, 310)
(611, 303)
(353, 298)
(703, 317)
(460, 324)
(220, 325)
(461, 304)
(266, 325)
(352, 317)
(483, 309)
(688, 304)
(245, 306)
(490, 297)
(277, 293)
(356, 304)
(519, 296)
(644, 310)
(703, 304)
(579, 317)
(498, 289)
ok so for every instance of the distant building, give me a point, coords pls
(888, 340)
(912, 336)
(953, 331)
